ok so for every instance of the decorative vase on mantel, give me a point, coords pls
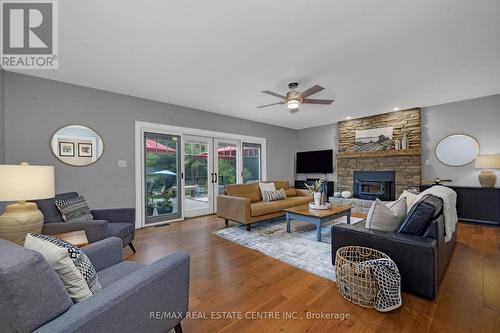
(397, 144)
(405, 142)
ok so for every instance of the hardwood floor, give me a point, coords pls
(226, 277)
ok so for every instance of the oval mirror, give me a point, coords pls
(77, 145)
(457, 149)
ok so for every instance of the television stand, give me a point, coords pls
(300, 184)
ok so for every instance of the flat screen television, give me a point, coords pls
(318, 161)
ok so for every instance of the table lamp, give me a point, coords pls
(20, 183)
(487, 178)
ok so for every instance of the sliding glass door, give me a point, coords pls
(198, 176)
(226, 163)
(162, 175)
(181, 171)
(209, 165)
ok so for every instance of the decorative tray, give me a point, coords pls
(325, 206)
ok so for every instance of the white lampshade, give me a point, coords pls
(487, 162)
(26, 182)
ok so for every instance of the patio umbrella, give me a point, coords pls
(159, 173)
(163, 172)
(224, 153)
(229, 152)
(155, 147)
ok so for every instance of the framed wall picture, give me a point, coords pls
(66, 149)
(84, 149)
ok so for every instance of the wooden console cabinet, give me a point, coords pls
(476, 204)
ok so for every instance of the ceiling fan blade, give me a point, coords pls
(317, 101)
(273, 94)
(311, 91)
(265, 106)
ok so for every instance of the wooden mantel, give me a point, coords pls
(379, 153)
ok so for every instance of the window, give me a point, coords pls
(252, 168)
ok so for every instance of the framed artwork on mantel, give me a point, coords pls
(374, 139)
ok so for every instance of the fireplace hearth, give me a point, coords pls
(371, 185)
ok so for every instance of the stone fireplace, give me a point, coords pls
(405, 165)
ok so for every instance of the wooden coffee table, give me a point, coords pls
(316, 216)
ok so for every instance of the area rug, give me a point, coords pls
(298, 248)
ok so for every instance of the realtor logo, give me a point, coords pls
(29, 34)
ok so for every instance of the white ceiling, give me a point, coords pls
(218, 55)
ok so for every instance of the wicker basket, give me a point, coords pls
(355, 282)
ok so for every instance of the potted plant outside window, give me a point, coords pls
(164, 206)
(150, 206)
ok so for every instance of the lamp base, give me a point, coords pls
(19, 219)
(487, 178)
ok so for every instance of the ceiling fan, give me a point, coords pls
(293, 98)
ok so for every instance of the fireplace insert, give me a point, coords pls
(371, 185)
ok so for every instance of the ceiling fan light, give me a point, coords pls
(293, 104)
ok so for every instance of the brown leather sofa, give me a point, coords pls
(243, 203)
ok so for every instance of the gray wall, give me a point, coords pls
(2, 125)
(35, 108)
(478, 117)
(318, 138)
(2, 117)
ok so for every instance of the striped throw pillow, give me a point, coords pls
(76, 209)
(274, 195)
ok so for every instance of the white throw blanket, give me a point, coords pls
(449, 198)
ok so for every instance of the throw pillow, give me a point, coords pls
(421, 214)
(274, 195)
(266, 187)
(386, 216)
(72, 265)
(411, 197)
(75, 210)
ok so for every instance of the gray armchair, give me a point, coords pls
(118, 222)
(134, 297)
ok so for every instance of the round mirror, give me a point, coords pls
(77, 145)
(457, 150)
